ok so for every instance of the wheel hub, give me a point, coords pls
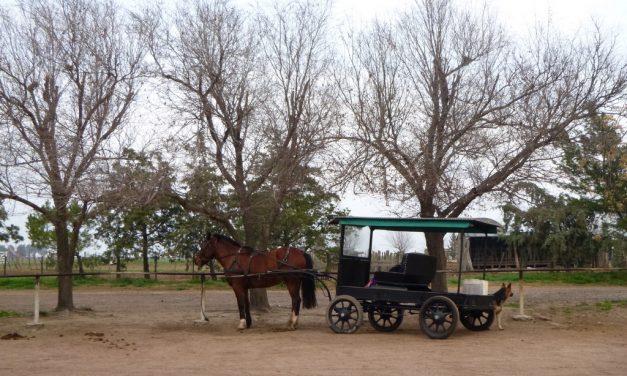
(344, 314)
(439, 316)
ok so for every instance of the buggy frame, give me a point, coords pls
(386, 303)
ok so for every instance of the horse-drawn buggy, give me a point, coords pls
(387, 296)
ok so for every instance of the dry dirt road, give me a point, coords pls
(148, 332)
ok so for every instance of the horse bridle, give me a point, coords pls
(220, 258)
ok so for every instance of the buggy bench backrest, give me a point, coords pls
(420, 267)
(353, 271)
(416, 272)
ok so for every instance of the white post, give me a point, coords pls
(203, 317)
(521, 299)
(36, 309)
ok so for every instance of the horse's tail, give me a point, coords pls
(308, 284)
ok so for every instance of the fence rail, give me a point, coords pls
(222, 274)
(521, 315)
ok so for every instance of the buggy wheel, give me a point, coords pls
(385, 318)
(477, 320)
(344, 314)
(438, 317)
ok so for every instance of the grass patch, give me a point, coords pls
(614, 278)
(605, 305)
(27, 282)
(141, 283)
(4, 313)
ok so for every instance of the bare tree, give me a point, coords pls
(445, 109)
(302, 106)
(69, 73)
(402, 241)
(256, 103)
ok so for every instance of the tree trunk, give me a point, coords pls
(259, 300)
(258, 297)
(118, 261)
(65, 261)
(79, 259)
(145, 251)
(466, 260)
(212, 270)
(602, 259)
(435, 247)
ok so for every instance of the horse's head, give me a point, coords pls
(206, 252)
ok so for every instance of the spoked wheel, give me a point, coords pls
(344, 314)
(385, 318)
(438, 317)
(477, 320)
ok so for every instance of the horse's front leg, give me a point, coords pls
(241, 296)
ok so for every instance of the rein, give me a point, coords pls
(235, 261)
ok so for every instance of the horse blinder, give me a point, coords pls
(200, 257)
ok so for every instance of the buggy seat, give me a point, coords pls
(416, 273)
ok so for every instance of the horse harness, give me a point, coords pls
(236, 267)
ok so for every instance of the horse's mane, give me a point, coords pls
(233, 242)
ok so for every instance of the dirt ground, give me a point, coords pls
(147, 332)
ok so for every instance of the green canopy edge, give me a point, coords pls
(467, 225)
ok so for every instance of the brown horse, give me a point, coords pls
(247, 268)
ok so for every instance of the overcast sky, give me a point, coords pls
(518, 16)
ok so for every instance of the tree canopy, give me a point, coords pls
(444, 107)
(585, 224)
(595, 164)
(8, 232)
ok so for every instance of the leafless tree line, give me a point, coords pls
(435, 108)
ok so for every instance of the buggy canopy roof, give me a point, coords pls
(467, 225)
